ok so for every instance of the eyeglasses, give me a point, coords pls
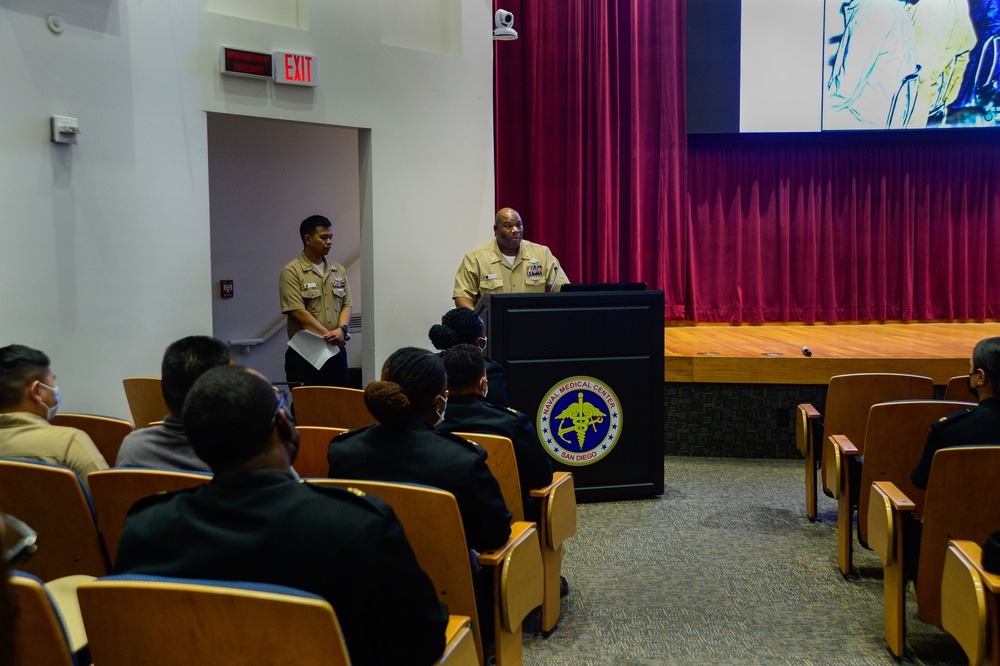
(281, 403)
(25, 546)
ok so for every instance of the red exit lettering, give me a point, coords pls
(298, 68)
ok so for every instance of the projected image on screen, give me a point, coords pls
(911, 64)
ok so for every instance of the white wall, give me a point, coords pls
(104, 252)
(104, 246)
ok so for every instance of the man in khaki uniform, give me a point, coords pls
(29, 398)
(316, 297)
(506, 265)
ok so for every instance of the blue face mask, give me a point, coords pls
(54, 409)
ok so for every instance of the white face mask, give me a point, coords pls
(55, 409)
(485, 386)
(440, 414)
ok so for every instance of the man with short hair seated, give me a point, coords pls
(254, 522)
(166, 446)
(29, 399)
(469, 411)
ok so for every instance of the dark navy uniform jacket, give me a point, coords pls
(263, 526)
(471, 413)
(416, 453)
(969, 426)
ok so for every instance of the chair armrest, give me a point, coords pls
(974, 553)
(519, 531)
(844, 443)
(899, 500)
(558, 479)
(887, 501)
(811, 412)
(804, 413)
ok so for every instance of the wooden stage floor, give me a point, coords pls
(772, 353)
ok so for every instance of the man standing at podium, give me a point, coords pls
(507, 265)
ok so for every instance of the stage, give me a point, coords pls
(731, 390)
(772, 353)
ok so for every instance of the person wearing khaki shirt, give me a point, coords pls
(508, 264)
(29, 398)
(316, 297)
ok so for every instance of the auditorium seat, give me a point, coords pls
(958, 388)
(145, 400)
(969, 603)
(331, 407)
(962, 503)
(53, 501)
(114, 491)
(157, 621)
(557, 520)
(107, 433)
(433, 527)
(42, 634)
(892, 446)
(314, 442)
(848, 399)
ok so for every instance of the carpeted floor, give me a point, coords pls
(723, 569)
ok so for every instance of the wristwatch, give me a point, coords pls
(346, 329)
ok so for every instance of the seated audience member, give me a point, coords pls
(972, 425)
(254, 522)
(469, 411)
(29, 398)
(166, 446)
(404, 447)
(463, 326)
(966, 427)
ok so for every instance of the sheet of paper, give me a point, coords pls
(313, 348)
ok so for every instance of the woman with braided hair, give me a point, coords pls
(464, 326)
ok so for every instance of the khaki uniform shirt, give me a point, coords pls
(29, 436)
(485, 271)
(323, 296)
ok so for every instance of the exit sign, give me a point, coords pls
(295, 69)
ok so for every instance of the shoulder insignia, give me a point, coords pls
(942, 419)
(356, 492)
(512, 410)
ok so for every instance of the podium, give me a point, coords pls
(587, 369)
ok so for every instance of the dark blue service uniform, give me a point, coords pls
(471, 413)
(966, 427)
(263, 526)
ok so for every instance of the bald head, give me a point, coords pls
(508, 229)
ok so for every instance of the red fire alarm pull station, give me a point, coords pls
(227, 288)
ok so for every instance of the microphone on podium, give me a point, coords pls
(806, 351)
(555, 276)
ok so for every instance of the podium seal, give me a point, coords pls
(579, 421)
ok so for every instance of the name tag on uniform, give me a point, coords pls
(491, 276)
(309, 285)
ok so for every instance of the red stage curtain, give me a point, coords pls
(590, 141)
(591, 149)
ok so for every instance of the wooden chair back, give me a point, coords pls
(167, 623)
(52, 501)
(107, 433)
(433, 526)
(957, 388)
(40, 636)
(501, 460)
(331, 407)
(145, 400)
(114, 491)
(314, 442)
(962, 502)
(893, 444)
(850, 397)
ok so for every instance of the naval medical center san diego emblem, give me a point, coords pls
(579, 421)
